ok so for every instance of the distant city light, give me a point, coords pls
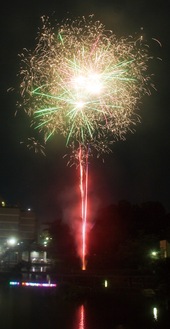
(33, 284)
(105, 283)
(155, 313)
(37, 284)
(12, 241)
(14, 283)
(154, 253)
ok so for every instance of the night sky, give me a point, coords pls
(138, 169)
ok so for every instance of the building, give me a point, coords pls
(165, 249)
(17, 226)
(19, 235)
(9, 223)
(28, 226)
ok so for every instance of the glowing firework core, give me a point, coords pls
(89, 84)
(84, 83)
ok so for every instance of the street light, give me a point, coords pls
(12, 241)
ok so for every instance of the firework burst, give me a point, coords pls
(84, 83)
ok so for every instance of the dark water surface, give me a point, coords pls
(44, 308)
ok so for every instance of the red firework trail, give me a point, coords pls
(84, 193)
(81, 323)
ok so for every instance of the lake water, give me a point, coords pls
(46, 309)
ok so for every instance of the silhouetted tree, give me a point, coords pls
(125, 234)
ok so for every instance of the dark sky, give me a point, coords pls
(138, 169)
